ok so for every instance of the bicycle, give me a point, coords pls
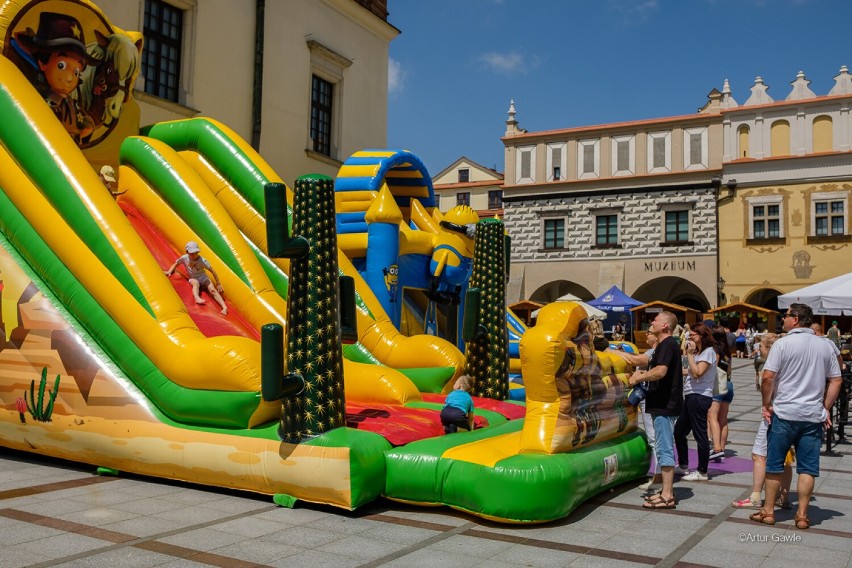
(839, 413)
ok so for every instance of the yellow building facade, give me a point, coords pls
(304, 81)
(787, 185)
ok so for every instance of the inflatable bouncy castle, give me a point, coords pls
(115, 352)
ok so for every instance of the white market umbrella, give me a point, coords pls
(830, 297)
(592, 311)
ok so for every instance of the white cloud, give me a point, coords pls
(396, 77)
(632, 12)
(509, 62)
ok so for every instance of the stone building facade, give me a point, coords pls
(628, 204)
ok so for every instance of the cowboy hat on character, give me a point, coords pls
(58, 48)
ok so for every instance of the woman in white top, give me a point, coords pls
(697, 397)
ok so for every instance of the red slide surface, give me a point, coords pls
(507, 409)
(207, 317)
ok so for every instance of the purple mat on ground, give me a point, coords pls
(733, 464)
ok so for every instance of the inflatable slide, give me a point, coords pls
(105, 359)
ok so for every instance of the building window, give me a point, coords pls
(495, 199)
(557, 159)
(322, 97)
(464, 175)
(677, 226)
(524, 164)
(463, 198)
(779, 138)
(742, 141)
(588, 158)
(765, 218)
(766, 221)
(327, 89)
(554, 233)
(823, 135)
(606, 230)
(659, 152)
(163, 30)
(695, 149)
(622, 155)
(829, 218)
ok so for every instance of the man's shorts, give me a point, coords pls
(806, 437)
(664, 439)
(759, 447)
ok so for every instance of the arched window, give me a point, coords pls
(780, 138)
(823, 139)
(742, 141)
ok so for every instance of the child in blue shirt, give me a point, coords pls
(458, 407)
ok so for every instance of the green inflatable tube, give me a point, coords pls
(201, 407)
(36, 159)
(524, 488)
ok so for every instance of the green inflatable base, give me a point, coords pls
(525, 488)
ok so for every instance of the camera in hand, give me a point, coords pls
(637, 394)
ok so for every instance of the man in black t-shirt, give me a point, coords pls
(663, 403)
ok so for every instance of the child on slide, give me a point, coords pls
(458, 407)
(196, 267)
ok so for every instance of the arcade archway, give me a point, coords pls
(558, 288)
(765, 298)
(674, 290)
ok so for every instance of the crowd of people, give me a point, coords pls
(687, 389)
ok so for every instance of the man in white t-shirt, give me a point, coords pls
(818, 332)
(801, 381)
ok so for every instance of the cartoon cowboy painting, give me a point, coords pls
(59, 50)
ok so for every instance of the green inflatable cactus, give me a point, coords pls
(487, 357)
(313, 338)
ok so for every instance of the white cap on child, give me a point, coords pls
(192, 246)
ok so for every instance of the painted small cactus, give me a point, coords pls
(21, 405)
(36, 407)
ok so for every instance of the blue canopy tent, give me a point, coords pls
(616, 304)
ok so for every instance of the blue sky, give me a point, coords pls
(568, 63)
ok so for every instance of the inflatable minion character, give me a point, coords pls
(452, 254)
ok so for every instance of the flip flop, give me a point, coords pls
(747, 504)
(660, 504)
(764, 518)
(802, 523)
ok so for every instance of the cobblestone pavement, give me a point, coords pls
(55, 513)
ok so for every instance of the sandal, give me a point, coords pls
(747, 504)
(660, 503)
(802, 523)
(654, 495)
(761, 517)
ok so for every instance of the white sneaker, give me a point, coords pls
(716, 454)
(695, 476)
(680, 471)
